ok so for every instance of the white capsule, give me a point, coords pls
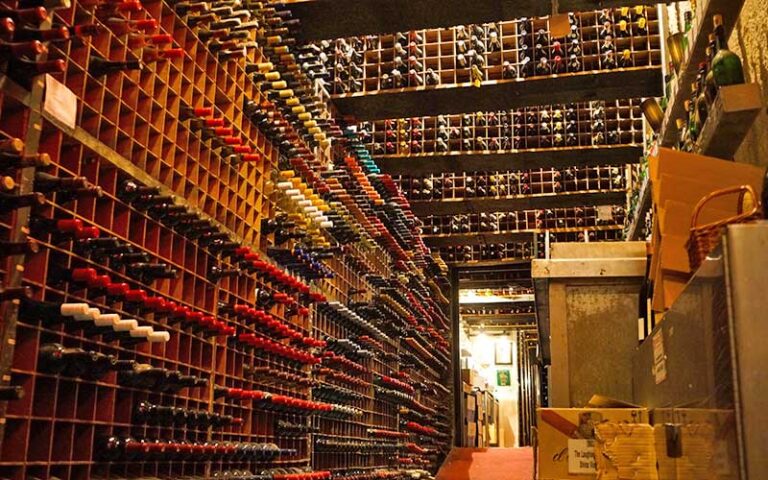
(158, 337)
(141, 332)
(73, 309)
(125, 326)
(89, 316)
(107, 320)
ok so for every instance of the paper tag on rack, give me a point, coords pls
(60, 102)
(605, 212)
(581, 457)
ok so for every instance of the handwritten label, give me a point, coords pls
(581, 457)
(605, 212)
(60, 102)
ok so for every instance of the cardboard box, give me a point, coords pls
(680, 180)
(691, 191)
(695, 443)
(707, 169)
(626, 451)
(472, 378)
(566, 439)
(675, 217)
(673, 254)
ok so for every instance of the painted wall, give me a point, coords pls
(750, 41)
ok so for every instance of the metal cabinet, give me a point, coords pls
(711, 349)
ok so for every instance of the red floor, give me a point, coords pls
(488, 464)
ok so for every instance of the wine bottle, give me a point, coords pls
(31, 16)
(217, 273)
(55, 358)
(152, 54)
(115, 447)
(131, 190)
(98, 66)
(29, 49)
(26, 247)
(54, 34)
(15, 160)
(726, 65)
(50, 313)
(23, 69)
(11, 392)
(10, 202)
(49, 4)
(45, 182)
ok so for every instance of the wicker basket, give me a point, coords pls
(704, 238)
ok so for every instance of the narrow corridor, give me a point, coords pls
(488, 464)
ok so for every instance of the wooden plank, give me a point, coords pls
(491, 318)
(423, 208)
(327, 19)
(487, 263)
(501, 94)
(497, 283)
(434, 163)
(477, 238)
(18, 233)
(447, 240)
(730, 118)
(698, 39)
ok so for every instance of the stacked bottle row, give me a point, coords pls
(523, 308)
(721, 68)
(504, 184)
(590, 124)
(536, 248)
(489, 252)
(147, 323)
(599, 40)
(526, 220)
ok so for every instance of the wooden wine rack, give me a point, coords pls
(523, 129)
(439, 49)
(129, 128)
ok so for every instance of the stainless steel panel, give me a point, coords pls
(747, 255)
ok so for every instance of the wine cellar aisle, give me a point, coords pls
(303, 240)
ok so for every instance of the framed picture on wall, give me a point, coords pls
(503, 378)
(503, 355)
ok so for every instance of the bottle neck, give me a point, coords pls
(720, 41)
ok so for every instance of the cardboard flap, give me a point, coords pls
(600, 401)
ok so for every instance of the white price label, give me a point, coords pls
(581, 457)
(60, 102)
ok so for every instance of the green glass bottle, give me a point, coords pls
(701, 103)
(693, 127)
(726, 65)
(709, 81)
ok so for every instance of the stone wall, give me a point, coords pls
(750, 41)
